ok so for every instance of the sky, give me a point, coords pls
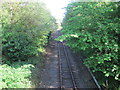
(56, 7)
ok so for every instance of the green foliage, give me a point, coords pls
(23, 74)
(18, 46)
(25, 28)
(16, 75)
(93, 28)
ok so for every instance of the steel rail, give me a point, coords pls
(69, 66)
(60, 66)
(93, 77)
(70, 69)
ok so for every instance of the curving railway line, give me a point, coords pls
(68, 75)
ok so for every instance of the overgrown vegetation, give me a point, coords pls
(16, 76)
(25, 32)
(25, 29)
(93, 28)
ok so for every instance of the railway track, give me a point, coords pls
(67, 76)
(62, 51)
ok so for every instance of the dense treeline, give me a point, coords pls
(25, 29)
(25, 32)
(93, 29)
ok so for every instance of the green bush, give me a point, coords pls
(93, 28)
(18, 46)
(25, 29)
(15, 76)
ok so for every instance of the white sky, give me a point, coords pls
(56, 7)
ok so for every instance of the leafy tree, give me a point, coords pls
(25, 29)
(93, 28)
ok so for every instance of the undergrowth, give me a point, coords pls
(23, 74)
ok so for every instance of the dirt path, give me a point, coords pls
(49, 74)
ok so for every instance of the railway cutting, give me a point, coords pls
(64, 71)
